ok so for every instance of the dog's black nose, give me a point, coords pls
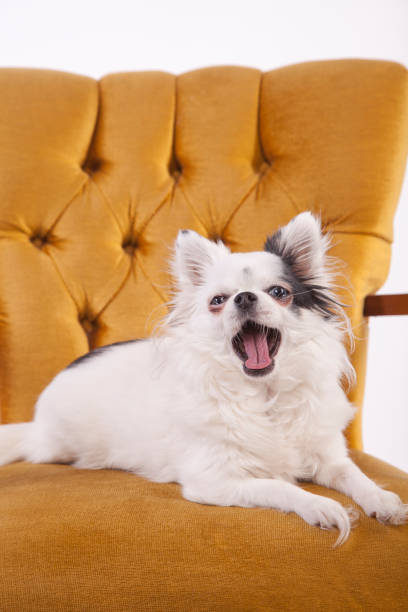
(245, 300)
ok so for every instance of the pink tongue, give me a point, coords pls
(256, 347)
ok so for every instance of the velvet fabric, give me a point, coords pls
(81, 541)
(96, 178)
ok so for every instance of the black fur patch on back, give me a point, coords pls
(99, 351)
(306, 293)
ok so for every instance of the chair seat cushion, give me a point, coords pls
(83, 540)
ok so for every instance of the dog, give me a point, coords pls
(237, 400)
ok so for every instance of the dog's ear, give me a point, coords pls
(193, 255)
(302, 246)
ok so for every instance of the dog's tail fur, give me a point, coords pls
(12, 438)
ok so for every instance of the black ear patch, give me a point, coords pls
(297, 256)
(274, 244)
(306, 292)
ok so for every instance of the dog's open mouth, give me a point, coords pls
(257, 345)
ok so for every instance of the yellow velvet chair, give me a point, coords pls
(95, 180)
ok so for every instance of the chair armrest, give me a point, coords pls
(377, 305)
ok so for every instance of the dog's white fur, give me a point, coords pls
(180, 408)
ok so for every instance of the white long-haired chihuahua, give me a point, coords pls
(238, 399)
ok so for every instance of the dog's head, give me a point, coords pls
(249, 302)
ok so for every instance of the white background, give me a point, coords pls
(94, 37)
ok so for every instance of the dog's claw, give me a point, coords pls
(328, 514)
(389, 509)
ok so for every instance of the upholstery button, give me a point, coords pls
(130, 246)
(215, 237)
(88, 324)
(39, 241)
(90, 327)
(175, 169)
(92, 165)
(263, 168)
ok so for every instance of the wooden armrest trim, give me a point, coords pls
(378, 305)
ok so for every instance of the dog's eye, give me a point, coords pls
(279, 293)
(218, 300)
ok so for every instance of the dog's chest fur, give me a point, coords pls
(263, 434)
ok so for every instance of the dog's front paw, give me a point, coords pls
(326, 513)
(386, 507)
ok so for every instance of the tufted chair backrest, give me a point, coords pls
(97, 178)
